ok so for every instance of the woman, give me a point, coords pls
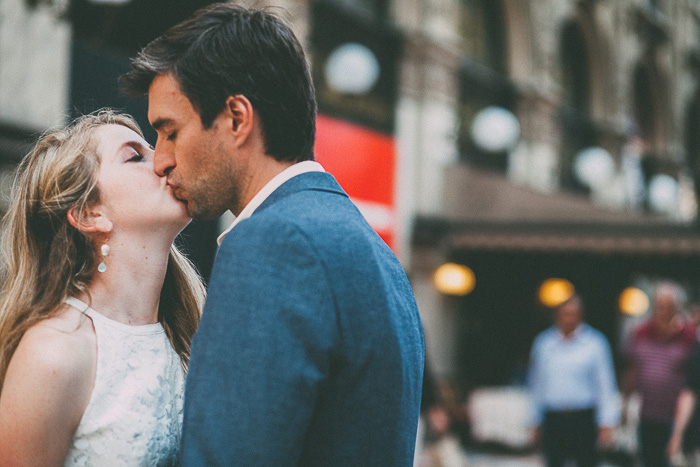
(98, 308)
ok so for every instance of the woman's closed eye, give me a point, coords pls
(136, 158)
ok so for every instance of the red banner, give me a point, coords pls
(363, 162)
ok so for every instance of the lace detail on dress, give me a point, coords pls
(134, 417)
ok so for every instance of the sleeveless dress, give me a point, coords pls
(134, 416)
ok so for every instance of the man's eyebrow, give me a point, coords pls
(161, 122)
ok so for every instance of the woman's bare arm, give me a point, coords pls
(46, 390)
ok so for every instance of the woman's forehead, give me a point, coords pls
(110, 137)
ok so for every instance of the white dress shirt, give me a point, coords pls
(274, 183)
(575, 372)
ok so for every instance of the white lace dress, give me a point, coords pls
(134, 417)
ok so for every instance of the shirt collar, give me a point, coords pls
(575, 335)
(656, 333)
(274, 183)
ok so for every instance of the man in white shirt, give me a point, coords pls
(573, 388)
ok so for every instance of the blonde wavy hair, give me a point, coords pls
(45, 259)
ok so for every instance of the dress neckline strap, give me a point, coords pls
(94, 315)
(78, 304)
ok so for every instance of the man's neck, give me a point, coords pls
(265, 169)
(667, 327)
(569, 332)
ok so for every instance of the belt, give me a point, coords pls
(569, 412)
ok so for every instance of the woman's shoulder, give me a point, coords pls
(47, 386)
(62, 346)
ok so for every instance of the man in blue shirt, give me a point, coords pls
(573, 388)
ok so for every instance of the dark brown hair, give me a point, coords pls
(226, 50)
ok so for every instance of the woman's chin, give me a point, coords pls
(180, 220)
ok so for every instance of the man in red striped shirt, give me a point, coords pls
(658, 353)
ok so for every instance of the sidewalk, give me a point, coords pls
(449, 453)
(452, 455)
(500, 434)
(476, 459)
(494, 460)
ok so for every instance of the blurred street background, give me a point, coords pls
(511, 152)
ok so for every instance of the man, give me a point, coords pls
(310, 350)
(658, 354)
(573, 388)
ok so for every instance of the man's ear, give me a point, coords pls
(89, 220)
(241, 114)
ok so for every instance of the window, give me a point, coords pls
(354, 65)
(483, 78)
(483, 33)
(375, 9)
(578, 130)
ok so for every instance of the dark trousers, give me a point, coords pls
(653, 439)
(570, 435)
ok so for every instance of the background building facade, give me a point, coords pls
(527, 140)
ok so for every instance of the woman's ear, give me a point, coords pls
(89, 220)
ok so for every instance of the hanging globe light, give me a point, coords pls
(663, 193)
(555, 291)
(594, 167)
(633, 301)
(454, 279)
(352, 68)
(495, 129)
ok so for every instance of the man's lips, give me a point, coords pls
(175, 189)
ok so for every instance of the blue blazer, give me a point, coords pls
(310, 350)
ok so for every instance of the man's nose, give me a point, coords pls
(163, 158)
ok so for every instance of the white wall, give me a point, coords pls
(34, 64)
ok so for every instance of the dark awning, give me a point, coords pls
(550, 237)
(486, 211)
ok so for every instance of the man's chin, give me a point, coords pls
(200, 215)
(202, 211)
(186, 206)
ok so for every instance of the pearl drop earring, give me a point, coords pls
(104, 249)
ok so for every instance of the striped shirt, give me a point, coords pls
(660, 364)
